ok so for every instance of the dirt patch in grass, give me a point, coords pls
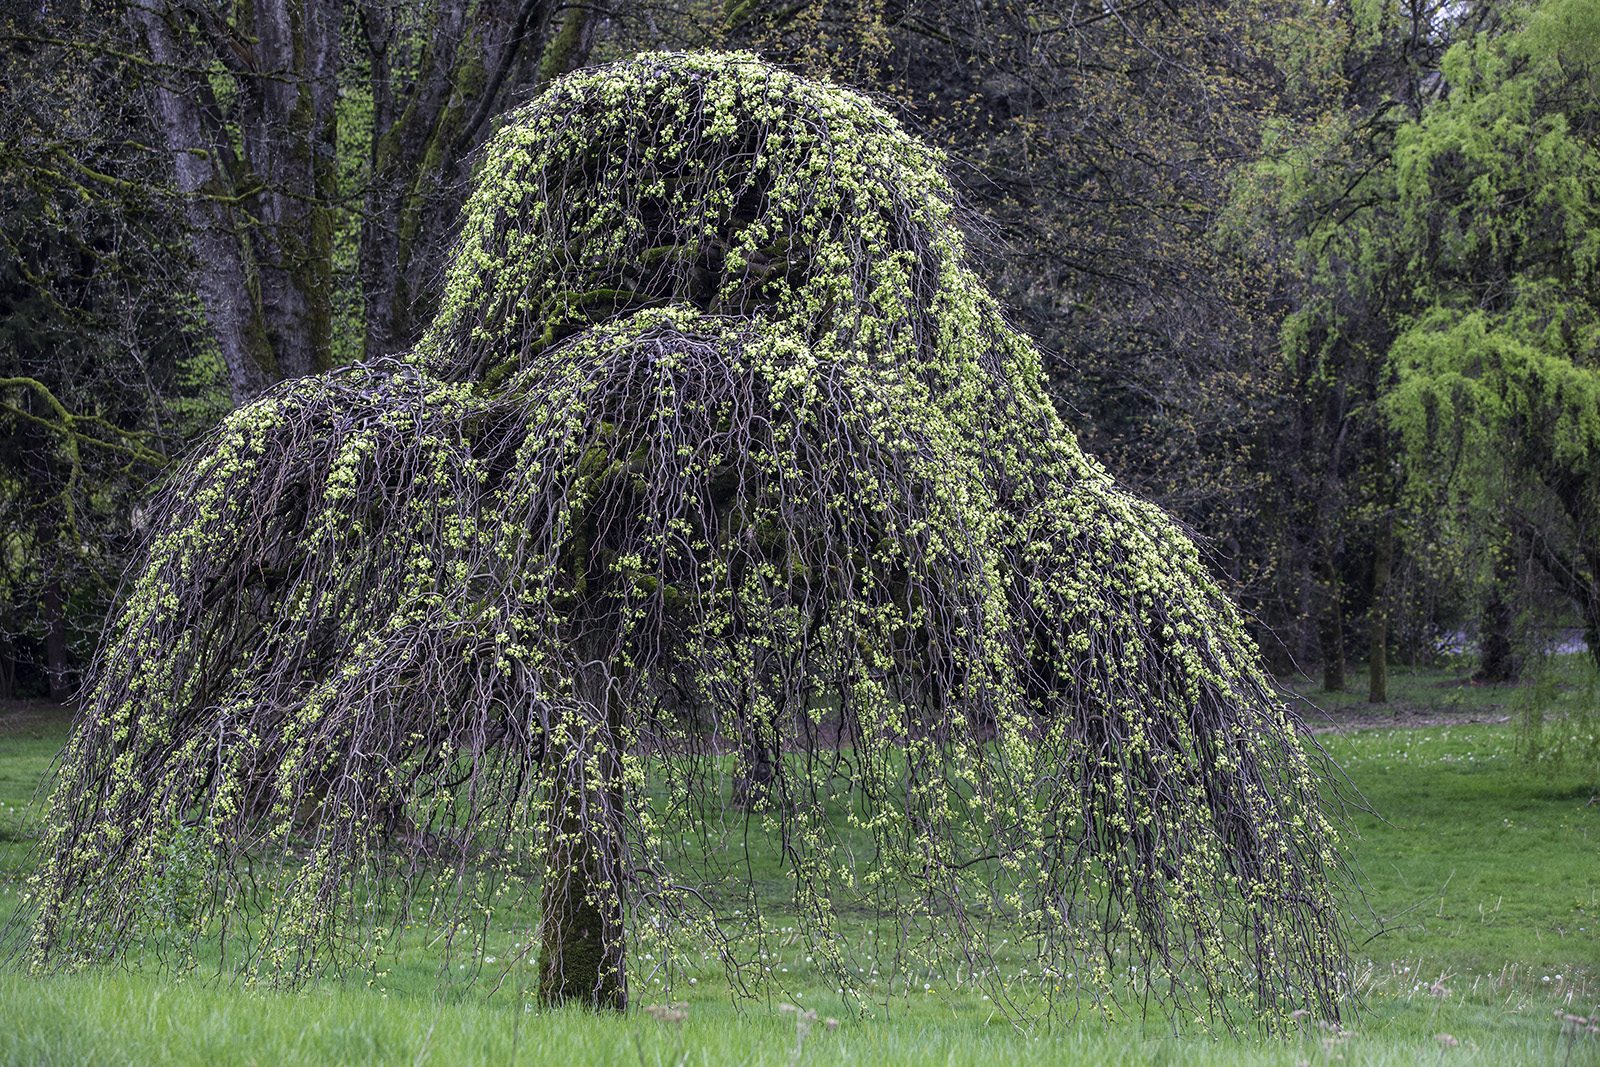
(1417, 699)
(1399, 715)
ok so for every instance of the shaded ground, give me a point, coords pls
(35, 716)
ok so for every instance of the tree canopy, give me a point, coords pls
(718, 462)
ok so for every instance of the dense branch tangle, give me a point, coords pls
(718, 463)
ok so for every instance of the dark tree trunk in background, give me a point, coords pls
(1327, 432)
(1497, 651)
(582, 934)
(480, 59)
(257, 165)
(1378, 615)
(8, 667)
(55, 642)
(1591, 626)
(1330, 626)
(1378, 632)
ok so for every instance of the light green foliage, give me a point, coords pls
(718, 462)
(1494, 240)
(1448, 324)
(1498, 196)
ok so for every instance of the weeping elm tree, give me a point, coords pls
(719, 468)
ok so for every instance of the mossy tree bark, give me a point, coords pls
(1378, 618)
(1498, 660)
(256, 161)
(426, 130)
(582, 944)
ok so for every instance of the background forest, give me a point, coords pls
(1321, 278)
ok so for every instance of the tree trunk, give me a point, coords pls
(1330, 627)
(1497, 653)
(258, 175)
(8, 667)
(1589, 604)
(425, 131)
(289, 131)
(1378, 622)
(200, 165)
(582, 950)
(753, 790)
(246, 97)
(1591, 627)
(55, 641)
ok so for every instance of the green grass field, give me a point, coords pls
(1478, 920)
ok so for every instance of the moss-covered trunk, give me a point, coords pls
(425, 132)
(582, 949)
(1497, 650)
(252, 134)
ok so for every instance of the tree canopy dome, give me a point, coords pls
(717, 462)
(714, 181)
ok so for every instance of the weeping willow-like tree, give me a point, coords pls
(719, 496)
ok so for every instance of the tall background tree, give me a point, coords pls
(320, 149)
(1498, 239)
(201, 199)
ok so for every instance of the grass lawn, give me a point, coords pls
(1478, 920)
